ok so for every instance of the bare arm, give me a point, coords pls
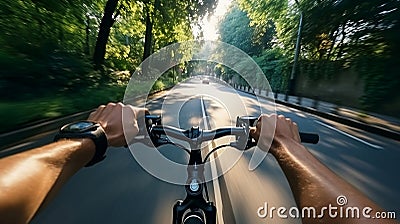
(28, 180)
(312, 183)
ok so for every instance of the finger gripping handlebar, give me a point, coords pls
(250, 121)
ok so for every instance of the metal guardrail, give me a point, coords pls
(331, 116)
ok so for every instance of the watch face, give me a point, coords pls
(79, 126)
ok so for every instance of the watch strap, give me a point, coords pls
(98, 137)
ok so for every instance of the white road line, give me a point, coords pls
(214, 173)
(203, 112)
(350, 136)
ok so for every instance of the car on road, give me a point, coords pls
(206, 81)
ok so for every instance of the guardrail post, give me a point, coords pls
(315, 103)
(299, 99)
(336, 109)
(276, 95)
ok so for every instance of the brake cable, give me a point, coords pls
(214, 149)
(177, 145)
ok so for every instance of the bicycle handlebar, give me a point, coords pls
(197, 133)
(309, 138)
(195, 136)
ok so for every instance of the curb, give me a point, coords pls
(343, 120)
(20, 136)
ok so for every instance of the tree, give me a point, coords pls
(338, 35)
(235, 29)
(43, 43)
(168, 16)
(104, 31)
(150, 16)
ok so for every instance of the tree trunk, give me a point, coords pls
(87, 39)
(148, 38)
(341, 44)
(105, 27)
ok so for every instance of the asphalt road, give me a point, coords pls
(119, 190)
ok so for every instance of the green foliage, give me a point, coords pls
(58, 105)
(381, 81)
(14, 114)
(47, 49)
(235, 29)
(125, 47)
(158, 85)
(336, 36)
(57, 71)
(274, 64)
(361, 35)
(43, 45)
(171, 22)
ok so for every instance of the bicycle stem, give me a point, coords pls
(194, 200)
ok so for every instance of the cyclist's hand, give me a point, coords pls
(110, 118)
(273, 130)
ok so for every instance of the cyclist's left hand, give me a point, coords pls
(114, 123)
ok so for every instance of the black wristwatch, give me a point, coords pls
(86, 129)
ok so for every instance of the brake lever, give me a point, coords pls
(146, 140)
(245, 142)
(145, 123)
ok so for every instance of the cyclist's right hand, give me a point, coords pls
(278, 127)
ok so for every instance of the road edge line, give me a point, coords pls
(214, 173)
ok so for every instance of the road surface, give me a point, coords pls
(119, 190)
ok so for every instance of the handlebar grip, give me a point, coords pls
(309, 138)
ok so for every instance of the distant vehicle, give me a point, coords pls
(206, 81)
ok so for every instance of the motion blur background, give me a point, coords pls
(61, 57)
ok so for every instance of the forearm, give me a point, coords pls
(29, 179)
(315, 185)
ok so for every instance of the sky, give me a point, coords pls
(210, 24)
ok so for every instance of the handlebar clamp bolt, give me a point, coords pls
(194, 185)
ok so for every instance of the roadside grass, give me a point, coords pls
(17, 114)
